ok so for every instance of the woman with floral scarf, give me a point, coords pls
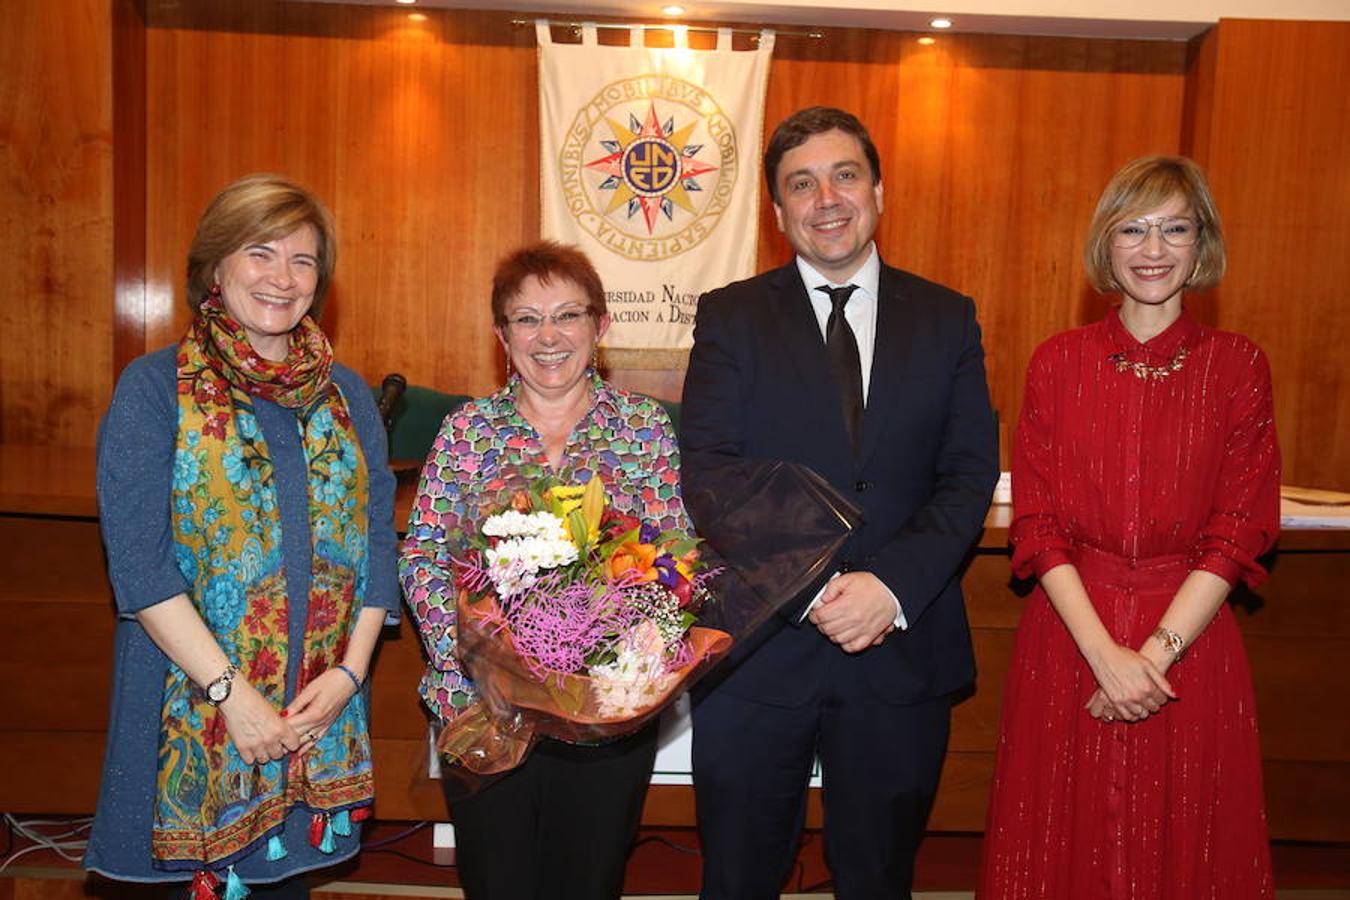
(246, 508)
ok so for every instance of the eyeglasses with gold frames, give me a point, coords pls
(1178, 231)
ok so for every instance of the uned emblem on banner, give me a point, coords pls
(648, 166)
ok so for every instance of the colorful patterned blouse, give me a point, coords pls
(624, 438)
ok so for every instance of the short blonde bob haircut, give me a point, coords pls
(257, 209)
(1146, 184)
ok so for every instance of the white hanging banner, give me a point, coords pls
(649, 161)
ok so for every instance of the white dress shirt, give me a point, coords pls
(861, 313)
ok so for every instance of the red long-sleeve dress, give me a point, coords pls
(1136, 481)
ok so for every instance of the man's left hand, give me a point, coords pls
(856, 611)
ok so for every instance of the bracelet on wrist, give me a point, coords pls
(1172, 642)
(350, 674)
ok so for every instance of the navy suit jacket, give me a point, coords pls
(760, 386)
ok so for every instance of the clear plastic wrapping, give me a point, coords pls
(770, 530)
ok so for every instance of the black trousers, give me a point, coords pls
(559, 826)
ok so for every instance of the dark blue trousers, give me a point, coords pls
(880, 764)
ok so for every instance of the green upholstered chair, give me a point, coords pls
(673, 408)
(417, 417)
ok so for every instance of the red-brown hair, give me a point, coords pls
(546, 261)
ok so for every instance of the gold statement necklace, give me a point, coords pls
(1146, 371)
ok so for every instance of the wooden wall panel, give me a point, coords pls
(423, 138)
(129, 128)
(1275, 139)
(999, 148)
(57, 622)
(56, 224)
(994, 149)
(53, 596)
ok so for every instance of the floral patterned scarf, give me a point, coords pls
(211, 807)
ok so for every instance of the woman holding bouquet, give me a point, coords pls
(1145, 486)
(561, 824)
(247, 512)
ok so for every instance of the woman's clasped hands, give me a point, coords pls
(263, 735)
(1131, 685)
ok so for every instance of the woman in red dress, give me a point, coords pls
(1145, 485)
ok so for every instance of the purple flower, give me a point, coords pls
(648, 534)
(666, 573)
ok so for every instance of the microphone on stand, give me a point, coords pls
(391, 391)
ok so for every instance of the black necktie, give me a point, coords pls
(842, 348)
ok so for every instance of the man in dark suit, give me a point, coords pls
(874, 378)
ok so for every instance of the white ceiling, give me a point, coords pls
(1151, 19)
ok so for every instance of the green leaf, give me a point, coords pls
(608, 547)
(601, 658)
(681, 547)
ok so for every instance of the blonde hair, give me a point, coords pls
(255, 209)
(1146, 184)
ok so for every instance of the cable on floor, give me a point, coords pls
(61, 844)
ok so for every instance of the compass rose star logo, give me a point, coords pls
(650, 167)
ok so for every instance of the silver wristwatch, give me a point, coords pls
(219, 690)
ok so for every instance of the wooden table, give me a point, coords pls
(56, 620)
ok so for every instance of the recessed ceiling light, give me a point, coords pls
(406, 2)
(927, 40)
(672, 10)
(940, 22)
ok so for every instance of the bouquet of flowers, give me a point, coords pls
(575, 619)
(580, 623)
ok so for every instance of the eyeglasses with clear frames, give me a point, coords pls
(569, 320)
(1178, 232)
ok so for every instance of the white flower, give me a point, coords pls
(515, 562)
(510, 576)
(638, 678)
(512, 524)
(533, 552)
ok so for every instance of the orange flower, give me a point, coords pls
(685, 564)
(634, 557)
